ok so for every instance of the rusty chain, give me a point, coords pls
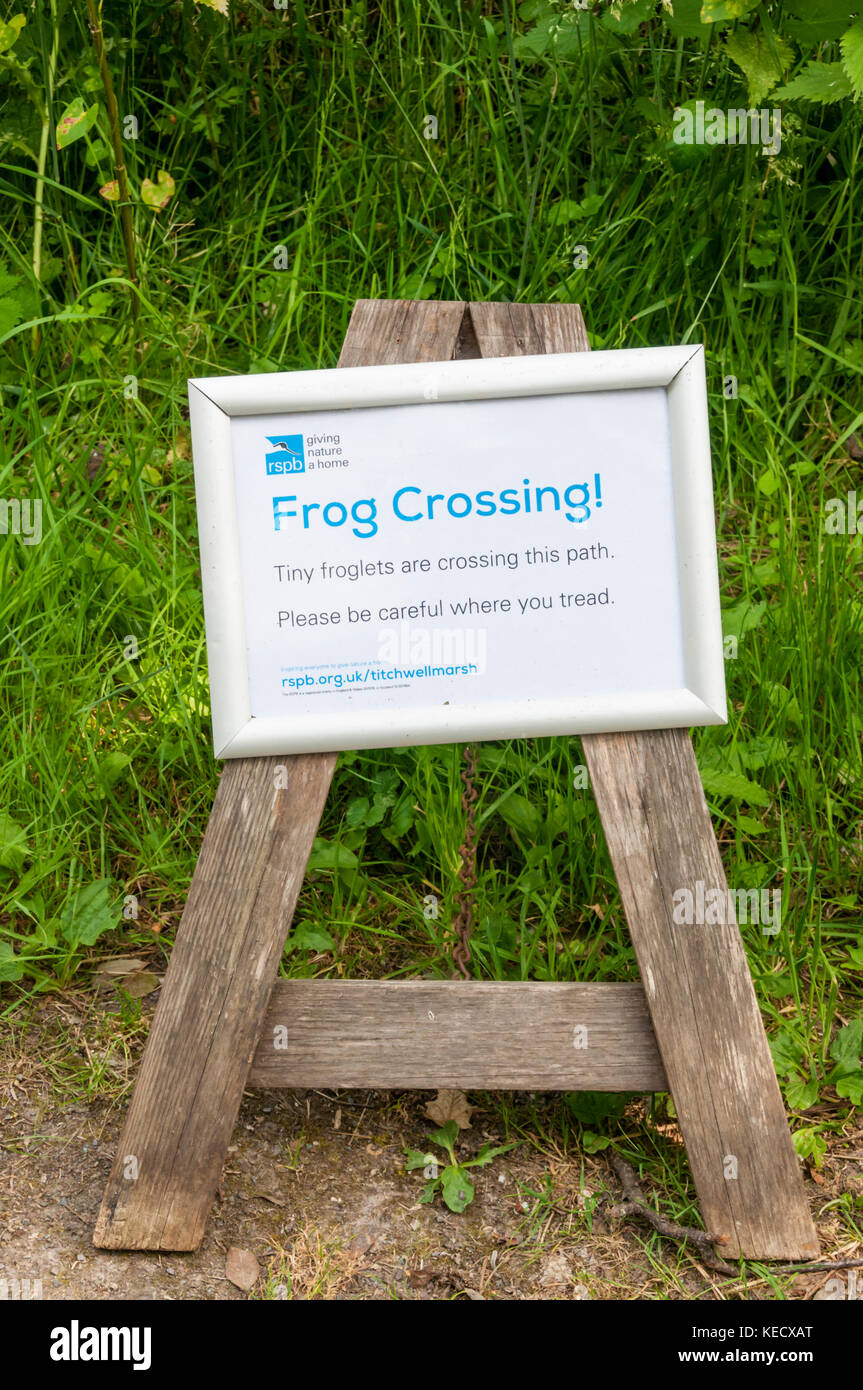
(463, 922)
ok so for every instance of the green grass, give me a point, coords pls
(305, 131)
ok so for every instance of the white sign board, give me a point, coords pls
(441, 552)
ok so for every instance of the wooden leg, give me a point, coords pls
(696, 979)
(699, 992)
(214, 998)
(233, 929)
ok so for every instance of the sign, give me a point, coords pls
(459, 550)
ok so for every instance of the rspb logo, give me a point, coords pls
(287, 456)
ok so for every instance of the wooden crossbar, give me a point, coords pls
(418, 1034)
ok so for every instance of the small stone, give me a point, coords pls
(555, 1272)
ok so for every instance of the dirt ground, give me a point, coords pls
(315, 1191)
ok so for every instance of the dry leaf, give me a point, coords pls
(141, 983)
(158, 195)
(241, 1268)
(121, 965)
(450, 1105)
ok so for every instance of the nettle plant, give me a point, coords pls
(451, 1180)
(52, 90)
(805, 1076)
(764, 39)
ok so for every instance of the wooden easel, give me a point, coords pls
(221, 1016)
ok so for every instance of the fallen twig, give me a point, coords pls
(814, 1269)
(635, 1205)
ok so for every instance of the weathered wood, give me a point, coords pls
(386, 331)
(418, 1034)
(528, 330)
(233, 929)
(696, 979)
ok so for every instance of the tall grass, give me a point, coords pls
(305, 130)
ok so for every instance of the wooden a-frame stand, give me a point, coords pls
(692, 1026)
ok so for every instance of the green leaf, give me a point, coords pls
(769, 482)
(500, 930)
(809, 1143)
(567, 210)
(559, 34)
(326, 854)
(761, 59)
(812, 22)
(9, 31)
(308, 938)
(75, 121)
(485, 1155)
(570, 211)
(592, 1143)
(735, 785)
(821, 82)
(357, 812)
(457, 1188)
(89, 914)
(522, 815)
(446, 1135)
(591, 1107)
(13, 844)
(415, 1159)
(777, 986)
(847, 1046)
(851, 44)
(10, 970)
(111, 768)
(742, 618)
(158, 195)
(625, 16)
(18, 303)
(429, 1190)
(401, 819)
(783, 702)
(851, 1088)
(722, 11)
(95, 153)
(787, 1052)
(750, 824)
(801, 1092)
(685, 19)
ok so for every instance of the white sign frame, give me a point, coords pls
(213, 401)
